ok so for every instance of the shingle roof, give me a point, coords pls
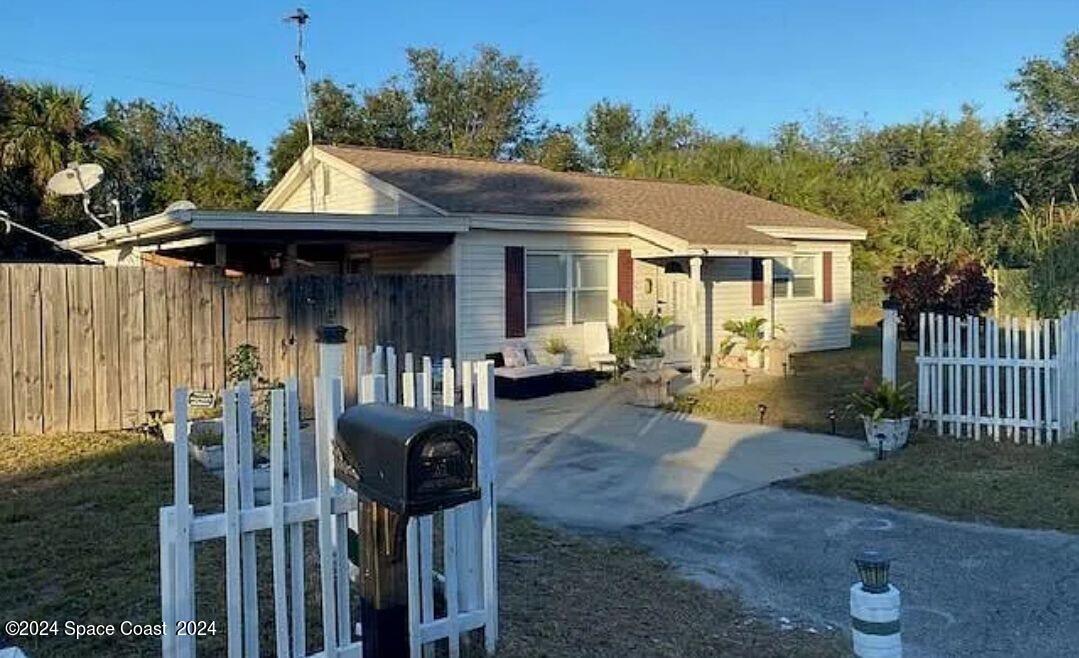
(701, 214)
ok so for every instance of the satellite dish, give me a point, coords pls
(180, 206)
(75, 179)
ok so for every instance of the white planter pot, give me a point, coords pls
(214, 425)
(891, 433)
(211, 457)
(755, 359)
(555, 360)
(647, 364)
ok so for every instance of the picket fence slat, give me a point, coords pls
(468, 545)
(998, 378)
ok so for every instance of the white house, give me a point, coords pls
(535, 253)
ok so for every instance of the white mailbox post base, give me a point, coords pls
(875, 623)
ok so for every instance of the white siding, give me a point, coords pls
(481, 291)
(728, 295)
(812, 324)
(346, 194)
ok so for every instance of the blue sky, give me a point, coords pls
(740, 67)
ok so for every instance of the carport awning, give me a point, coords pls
(189, 228)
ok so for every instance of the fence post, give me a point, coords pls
(890, 348)
(331, 350)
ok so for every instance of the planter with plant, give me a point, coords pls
(244, 364)
(635, 342)
(750, 332)
(204, 441)
(886, 411)
(556, 351)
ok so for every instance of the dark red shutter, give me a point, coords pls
(826, 277)
(625, 276)
(757, 271)
(515, 292)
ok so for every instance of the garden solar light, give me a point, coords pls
(762, 409)
(745, 377)
(831, 418)
(873, 566)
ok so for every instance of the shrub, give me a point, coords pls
(884, 400)
(555, 345)
(637, 334)
(750, 330)
(930, 286)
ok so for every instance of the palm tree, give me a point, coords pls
(46, 126)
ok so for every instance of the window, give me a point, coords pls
(795, 277)
(565, 288)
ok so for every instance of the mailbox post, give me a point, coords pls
(402, 463)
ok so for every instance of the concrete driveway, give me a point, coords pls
(590, 460)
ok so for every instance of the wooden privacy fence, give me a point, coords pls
(466, 570)
(1007, 378)
(85, 347)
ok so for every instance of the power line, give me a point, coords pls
(174, 84)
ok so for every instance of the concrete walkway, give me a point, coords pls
(968, 589)
(590, 460)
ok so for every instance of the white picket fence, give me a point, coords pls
(468, 570)
(1007, 378)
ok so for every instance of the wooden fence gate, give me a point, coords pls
(89, 347)
(466, 571)
(1010, 378)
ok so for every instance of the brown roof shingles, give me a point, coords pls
(703, 215)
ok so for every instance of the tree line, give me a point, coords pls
(939, 188)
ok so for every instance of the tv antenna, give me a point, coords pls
(77, 180)
(301, 18)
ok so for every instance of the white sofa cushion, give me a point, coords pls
(514, 356)
(524, 372)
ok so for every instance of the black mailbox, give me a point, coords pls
(411, 461)
(404, 462)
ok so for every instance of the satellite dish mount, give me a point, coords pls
(77, 180)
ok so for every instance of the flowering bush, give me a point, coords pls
(929, 286)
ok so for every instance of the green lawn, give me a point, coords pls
(78, 541)
(1013, 485)
(1023, 486)
(822, 381)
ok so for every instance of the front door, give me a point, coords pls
(674, 302)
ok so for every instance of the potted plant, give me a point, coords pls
(204, 441)
(886, 412)
(751, 334)
(557, 351)
(635, 342)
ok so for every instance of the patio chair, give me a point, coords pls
(597, 346)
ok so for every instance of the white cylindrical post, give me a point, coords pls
(874, 620)
(890, 346)
(331, 351)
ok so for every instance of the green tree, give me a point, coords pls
(614, 133)
(1039, 142)
(556, 149)
(481, 106)
(161, 156)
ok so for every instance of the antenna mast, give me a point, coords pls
(300, 18)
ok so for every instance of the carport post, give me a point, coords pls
(890, 347)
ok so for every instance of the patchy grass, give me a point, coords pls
(78, 541)
(821, 381)
(570, 596)
(1014, 485)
